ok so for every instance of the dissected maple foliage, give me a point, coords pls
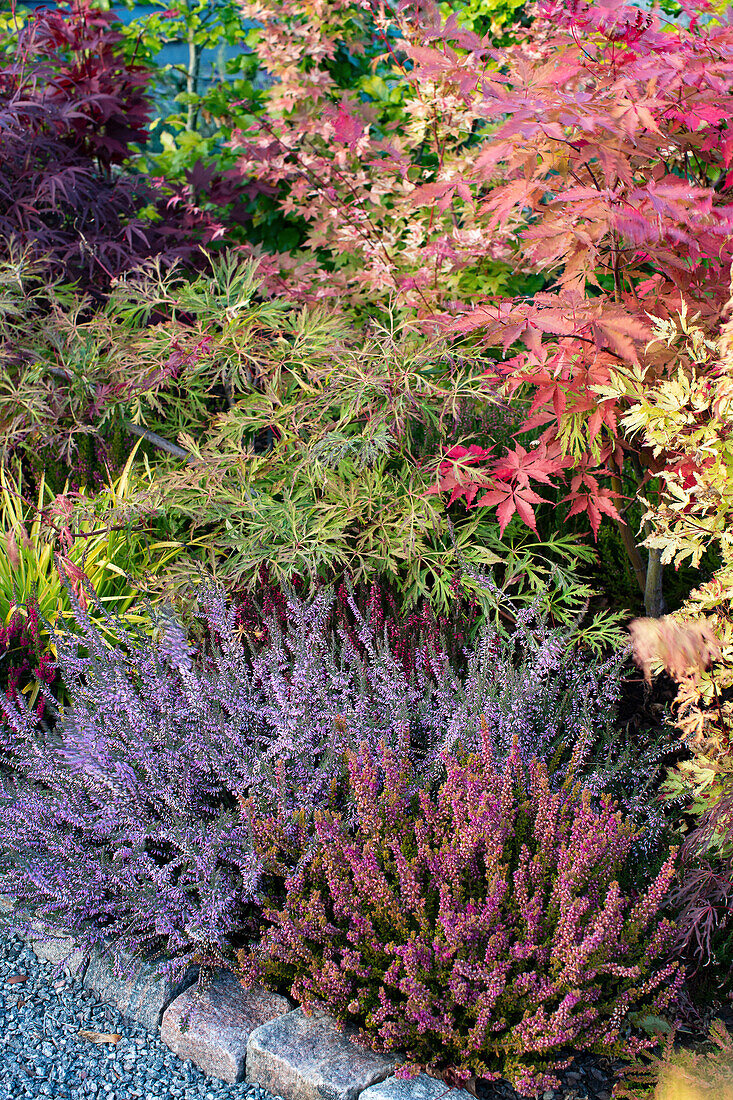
(687, 416)
(609, 169)
(594, 153)
(681, 648)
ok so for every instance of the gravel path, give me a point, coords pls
(42, 1054)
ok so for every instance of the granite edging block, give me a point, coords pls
(234, 1032)
(7, 903)
(219, 1022)
(58, 949)
(421, 1087)
(143, 995)
(46, 943)
(299, 1057)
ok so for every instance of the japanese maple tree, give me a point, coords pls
(343, 152)
(71, 107)
(609, 169)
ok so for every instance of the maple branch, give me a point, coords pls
(590, 57)
(311, 178)
(617, 284)
(158, 441)
(592, 175)
(136, 429)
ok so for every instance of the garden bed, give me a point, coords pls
(361, 416)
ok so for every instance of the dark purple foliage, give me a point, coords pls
(481, 928)
(71, 106)
(703, 900)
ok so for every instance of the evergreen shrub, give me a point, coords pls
(123, 819)
(481, 928)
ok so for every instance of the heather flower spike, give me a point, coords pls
(480, 928)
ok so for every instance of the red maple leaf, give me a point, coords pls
(509, 500)
(455, 474)
(521, 465)
(588, 496)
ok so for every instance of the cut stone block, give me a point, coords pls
(421, 1087)
(143, 996)
(56, 948)
(219, 1024)
(301, 1057)
(47, 943)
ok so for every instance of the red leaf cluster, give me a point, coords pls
(609, 168)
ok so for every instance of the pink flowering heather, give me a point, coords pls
(480, 929)
(22, 657)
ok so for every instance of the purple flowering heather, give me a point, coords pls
(125, 821)
(480, 929)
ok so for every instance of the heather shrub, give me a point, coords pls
(407, 632)
(125, 821)
(480, 928)
(123, 824)
(24, 663)
(534, 686)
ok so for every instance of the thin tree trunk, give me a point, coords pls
(653, 595)
(632, 552)
(192, 77)
(627, 537)
(649, 576)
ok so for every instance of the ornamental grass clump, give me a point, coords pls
(481, 929)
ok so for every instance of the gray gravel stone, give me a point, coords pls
(36, 1014)
(414, 1088)
(218, 1023)
(303, 1057)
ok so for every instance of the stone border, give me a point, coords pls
(238, 1034)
